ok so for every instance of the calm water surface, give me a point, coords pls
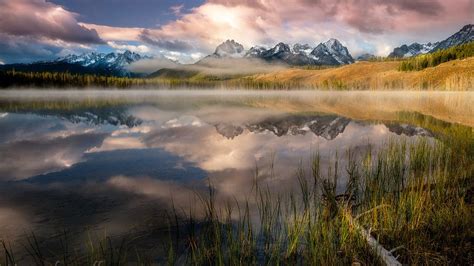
(118, 160)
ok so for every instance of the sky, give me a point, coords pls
(34, 30)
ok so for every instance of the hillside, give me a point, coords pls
(452, 75)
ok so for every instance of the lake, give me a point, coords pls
(119, 161)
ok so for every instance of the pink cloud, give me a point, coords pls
(374, 26)
(43, 20)
(353, 21)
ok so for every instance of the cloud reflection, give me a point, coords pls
(26, 158)
(118, 177)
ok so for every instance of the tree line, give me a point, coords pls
(423, 61)
(14, 78)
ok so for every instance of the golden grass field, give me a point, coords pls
(453, 75)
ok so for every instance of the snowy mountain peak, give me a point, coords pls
(332, 42)
(339, 51)
(229, 48)
(255, 51)
(331, 52)
(281, 47)
(100, 58)
(115, 62)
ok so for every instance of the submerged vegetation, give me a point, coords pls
(414, 197)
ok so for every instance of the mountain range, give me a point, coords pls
(465, 35)
(331, 53)
(108, 64)
(325, 126)
(113, 63)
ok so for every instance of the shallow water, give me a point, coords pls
(118, 160)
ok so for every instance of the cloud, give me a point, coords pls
(109, 33)
(26, 158)
(151, 65)
(35, 30)
(134, 48)
(384, 23)
(359, 14)
(177, 9)
(43, 20)
(161, 42)
(374, 26)
(163, 189)
(25, 49)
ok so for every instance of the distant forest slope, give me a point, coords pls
(423, 61)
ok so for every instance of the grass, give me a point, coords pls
(452, 75)
(414, 197)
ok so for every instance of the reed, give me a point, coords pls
(414, 197)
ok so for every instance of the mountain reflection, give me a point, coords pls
(327, 127)
(96, 166)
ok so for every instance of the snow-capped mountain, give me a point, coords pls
(229, 48)
(412, 49)
(280, 51)
(284, 54)
(465, 35)
(326, 126)
(331, 52)
(255, 51)
(338, 52)
(111, 62)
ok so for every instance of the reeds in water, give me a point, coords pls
(414, 197)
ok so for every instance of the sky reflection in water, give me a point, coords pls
(100, 166)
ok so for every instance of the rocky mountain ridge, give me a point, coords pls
(331, 52)
(464, 35)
